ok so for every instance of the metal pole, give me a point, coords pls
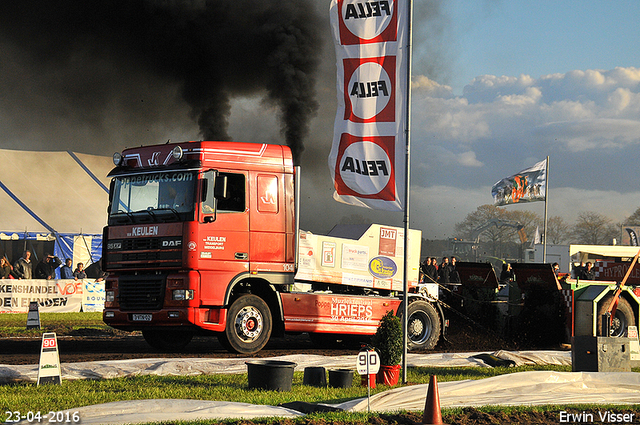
(546, 201)
(405, 297)
(296, 205)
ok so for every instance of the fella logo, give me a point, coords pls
(364, 22)
(365, 167)
(369, 89)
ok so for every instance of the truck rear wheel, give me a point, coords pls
(168, 339)
(248, 327)
(623, 318)
(423, 326)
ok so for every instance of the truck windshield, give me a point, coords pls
(153, 197)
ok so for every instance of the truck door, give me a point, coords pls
(224, 236)
(268, 224)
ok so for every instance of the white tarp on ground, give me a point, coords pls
(524, 388)
(199, 366)
(141, 411)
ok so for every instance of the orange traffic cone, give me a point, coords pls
(432, 414)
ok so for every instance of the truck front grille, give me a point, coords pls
(144, 253)
(145, 292)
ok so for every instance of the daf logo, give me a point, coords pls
(170, 243)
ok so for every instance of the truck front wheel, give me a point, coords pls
(248, 327)
(423, 326)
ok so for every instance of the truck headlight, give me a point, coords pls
(177, 153)
(110, 296)
(117, 159)
(182, 294)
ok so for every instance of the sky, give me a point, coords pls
(560, 79)
(497, 87)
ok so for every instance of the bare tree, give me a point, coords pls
(558, 231)
(594, 229)
(633, 219)
(529, 220)
(495, 227)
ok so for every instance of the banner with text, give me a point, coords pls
(526, 186)
(52, 296)
(367, 159)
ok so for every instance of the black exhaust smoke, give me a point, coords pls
(214, 50)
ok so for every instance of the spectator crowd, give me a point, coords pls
(46, 268)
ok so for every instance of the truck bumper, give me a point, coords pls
(138, 320)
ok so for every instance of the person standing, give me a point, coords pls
(5, 268)
(443, 271)
(432, 270)
(454, 277)
(507, 275)
(423, 270)
(23, 268)
(66, 272)
(589, 273)
(46, 268)
(79, 272)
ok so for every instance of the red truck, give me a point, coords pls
(202, 238)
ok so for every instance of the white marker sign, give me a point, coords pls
(49, 369)
(368, 363)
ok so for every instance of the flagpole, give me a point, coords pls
(546, 201)
(405, 296)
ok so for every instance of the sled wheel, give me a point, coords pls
(423, 326)
(622, 319)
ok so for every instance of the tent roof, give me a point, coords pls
(67, 191)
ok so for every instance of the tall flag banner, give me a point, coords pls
(367, 159)
(526, 186)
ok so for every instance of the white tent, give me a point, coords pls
(67, 191)
(51, 195)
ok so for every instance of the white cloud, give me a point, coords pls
(594, 134)
(469, 159)
(605, 104)
(430, 88)
(588, 122)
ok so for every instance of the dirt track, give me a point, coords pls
(89, 346)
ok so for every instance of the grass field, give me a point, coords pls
(15, 324)
(219, 387)
(222, 387)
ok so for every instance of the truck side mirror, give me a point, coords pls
(208, 198)
(220, 189)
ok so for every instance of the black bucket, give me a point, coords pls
(315, 376)
(270, 374)
(340, 378)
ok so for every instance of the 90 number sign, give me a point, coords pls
(370, 359)
(48, 343)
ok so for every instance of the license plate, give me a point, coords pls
(141, 317)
